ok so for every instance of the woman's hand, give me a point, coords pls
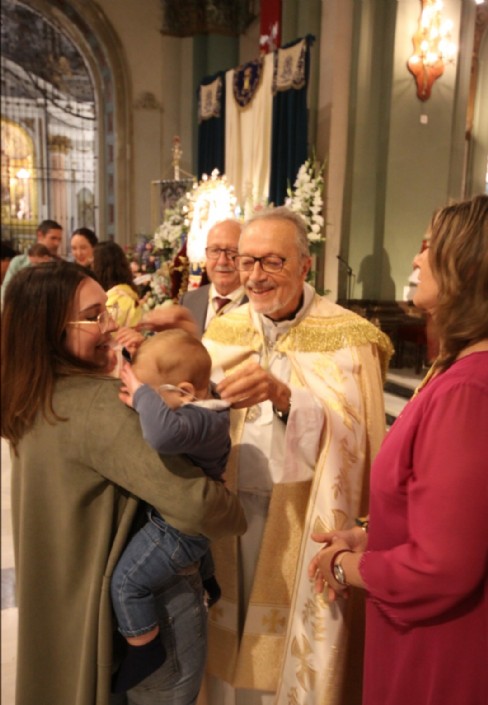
(319, 569)
(355, 539)
(130, 384)
(252, 384)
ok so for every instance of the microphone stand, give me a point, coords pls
(350, 274)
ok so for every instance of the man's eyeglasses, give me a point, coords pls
(214, 253)
(104, 320)
(269, 263)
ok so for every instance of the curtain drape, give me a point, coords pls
(211, 124)
(248, 132)
(253, 124)
(289, 124)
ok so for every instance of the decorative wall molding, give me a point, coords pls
(147, 101)
(186, 18)
(480, 28)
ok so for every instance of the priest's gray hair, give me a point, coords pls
(286, 214)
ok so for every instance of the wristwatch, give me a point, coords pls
(339, 574)
(337, 569)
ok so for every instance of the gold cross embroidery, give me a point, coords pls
(274, 622)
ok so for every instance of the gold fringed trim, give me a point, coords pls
(315, 334)
(233, 330)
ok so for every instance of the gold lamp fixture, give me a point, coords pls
(432, 46)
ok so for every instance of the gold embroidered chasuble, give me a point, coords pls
(292, 642)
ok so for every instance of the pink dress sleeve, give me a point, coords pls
(444, 557)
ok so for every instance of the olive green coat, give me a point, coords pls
(74, 485)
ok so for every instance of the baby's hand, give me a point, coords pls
(130, 384)
(125, 396)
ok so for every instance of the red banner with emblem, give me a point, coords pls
(270, 34)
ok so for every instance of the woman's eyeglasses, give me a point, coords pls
(104, 320)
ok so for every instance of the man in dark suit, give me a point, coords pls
(224, 291)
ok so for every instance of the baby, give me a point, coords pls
(38, 254)
(169, 386)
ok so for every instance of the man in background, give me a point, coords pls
(304, 377)
(224, 292)
(50, 234)
(7, 254)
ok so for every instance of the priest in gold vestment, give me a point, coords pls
(305, 378)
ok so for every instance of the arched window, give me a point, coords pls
(64, 99)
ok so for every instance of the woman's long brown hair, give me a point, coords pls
(38, 303)
(111, 266)
(458, 256)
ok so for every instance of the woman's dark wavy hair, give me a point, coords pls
(38, 304)
(111, 266)
(88, 234)
(458, 256)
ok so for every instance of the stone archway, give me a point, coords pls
(90, 31)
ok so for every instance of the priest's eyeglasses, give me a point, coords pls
(104, 320)
(269, 263)
(215, 252)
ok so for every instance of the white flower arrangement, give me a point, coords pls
(165, 245)
(159, 291)
(253, 206)
(306, 198)
(168, 238)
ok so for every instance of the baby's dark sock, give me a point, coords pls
(212, 588)
(138, 663)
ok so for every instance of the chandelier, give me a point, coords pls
(433, 47)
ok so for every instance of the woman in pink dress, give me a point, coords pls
(424, 560)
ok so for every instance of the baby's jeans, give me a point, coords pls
(154, 554)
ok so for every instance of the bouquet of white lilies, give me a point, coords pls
(306, 198)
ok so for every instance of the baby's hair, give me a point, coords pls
(178, 357)
(38, 250)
